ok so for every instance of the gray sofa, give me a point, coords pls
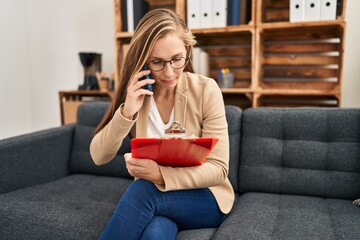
(295, 172)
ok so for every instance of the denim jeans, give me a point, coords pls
(144, 212)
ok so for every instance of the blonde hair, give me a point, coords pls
(156, 24)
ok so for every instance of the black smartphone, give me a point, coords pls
(147, 86)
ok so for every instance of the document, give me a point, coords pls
(173, 152)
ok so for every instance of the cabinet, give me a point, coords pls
(275, 62)
(70, 100)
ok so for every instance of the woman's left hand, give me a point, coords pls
(144, 168)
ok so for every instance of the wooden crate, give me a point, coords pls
(278, 10)
(233, 50)
(70, 111)
(298, 101)
(301, 57)
(242, 100)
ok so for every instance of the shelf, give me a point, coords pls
(289, 25)
(297, 92)
(227, 29)
(275, 62)
(235, 90)
(70, 100)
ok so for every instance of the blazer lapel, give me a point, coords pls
(181, 101)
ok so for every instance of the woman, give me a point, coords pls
(164, 199)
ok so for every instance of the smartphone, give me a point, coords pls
(147, 86)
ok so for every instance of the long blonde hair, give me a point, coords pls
(155, 25)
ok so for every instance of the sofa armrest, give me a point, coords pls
(35, 158)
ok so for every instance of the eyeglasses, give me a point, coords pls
(176, 63)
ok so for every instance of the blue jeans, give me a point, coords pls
(144, 212)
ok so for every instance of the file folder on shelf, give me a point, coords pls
(205, 14)
(219, 13)
(328, 10)
(193, 13)
(312, 10)
(173, 152)
(297, 10)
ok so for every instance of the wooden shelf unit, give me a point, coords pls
(275, 62)
(70, 100)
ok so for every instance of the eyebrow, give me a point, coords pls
(174, 56)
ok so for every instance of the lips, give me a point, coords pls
(167, 81)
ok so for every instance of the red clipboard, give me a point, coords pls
(174, 152)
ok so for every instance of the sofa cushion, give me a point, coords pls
(304, 151)
(233, 118)
(75, 207)
(88, 117)
(266, 216)
(196, 234)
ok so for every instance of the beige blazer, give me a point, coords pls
(199, 107)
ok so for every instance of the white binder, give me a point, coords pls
(219, 13)
(205, 13)
(193, 13)
(195, 58)
(297, 10)
(328, 10)
(204, 65)
(130, 15)
(312, 10)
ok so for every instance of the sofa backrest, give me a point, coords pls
(89, 116)
(307, 151)
(233, 118)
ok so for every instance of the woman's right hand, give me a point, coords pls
(136, 93)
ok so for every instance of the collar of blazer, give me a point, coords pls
(180, 108)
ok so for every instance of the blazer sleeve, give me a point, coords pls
(214, 170)
(107, 141)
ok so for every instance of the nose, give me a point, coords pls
(168, 70)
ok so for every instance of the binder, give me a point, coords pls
(328, 10)
(244, 12)
(193, 13)
(205, 13)
(136, 9)
(312, 10)
(297, 10)
(196, 59)
(173, 152)
(130, 15)
(124, 16)
(219, 13)
(204, 66)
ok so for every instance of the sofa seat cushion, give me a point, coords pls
(74, 207)
(196, 234)
(264, 216)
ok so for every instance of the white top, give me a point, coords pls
(156, 126)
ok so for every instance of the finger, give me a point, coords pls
(142, 92)
(140, 85)
(139, 75)
(135, 163)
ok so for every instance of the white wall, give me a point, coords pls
(15, 106)
(351, 75)
(39, 45)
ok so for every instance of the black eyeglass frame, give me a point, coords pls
(169, 61)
